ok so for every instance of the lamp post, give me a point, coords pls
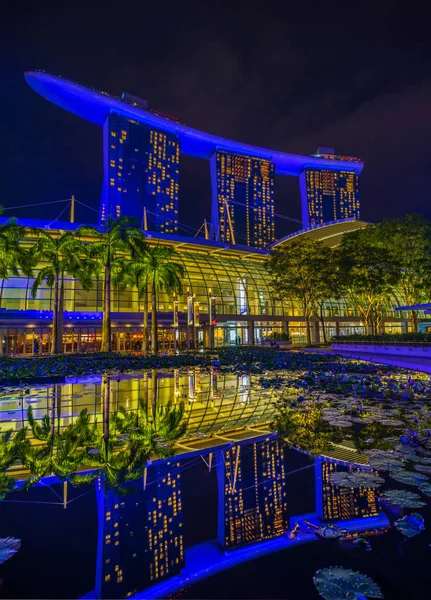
(190, 316)
(175, 323)
(212, 317)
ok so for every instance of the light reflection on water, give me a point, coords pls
(213, 401)
(163, 531)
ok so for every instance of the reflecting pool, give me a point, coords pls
(192, 527)
(234, 491)
(213, 401)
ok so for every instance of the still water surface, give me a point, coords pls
(195, 512)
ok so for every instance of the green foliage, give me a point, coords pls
(306, 429)
(386, 337)
(12, 255)
(408, 240)
(305, 272)
(163, 273)
(108, 248)
(368, 273)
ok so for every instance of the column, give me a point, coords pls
(315, 332)
(250, 330)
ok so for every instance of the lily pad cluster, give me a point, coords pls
(336, 583)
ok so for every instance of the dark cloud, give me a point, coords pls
(357, 78)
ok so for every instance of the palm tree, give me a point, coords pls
(63, 254)
(108, 245)
(12, 254)
(163, 274)
(134, 273)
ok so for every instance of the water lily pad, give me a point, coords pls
(403, 498)
(411, 525)
(356, 479)
(336, 583)
(387, 464)
(408, 477)
(425, 488)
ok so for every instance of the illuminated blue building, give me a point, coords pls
(244, 186)
(322, 176)
(328, 194)
(141, 171)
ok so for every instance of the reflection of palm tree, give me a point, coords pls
(10, 447)
(57, 453)
(113, 456)
(157, 428)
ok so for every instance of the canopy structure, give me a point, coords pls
(425, 307)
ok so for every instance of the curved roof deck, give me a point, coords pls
(94, 106)
(329, 234)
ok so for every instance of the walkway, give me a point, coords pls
(208, 558)
(416, 363)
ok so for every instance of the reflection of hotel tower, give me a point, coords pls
(252, 493)
(140, 536)
(243, 191)
(341, 503)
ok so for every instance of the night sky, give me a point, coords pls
(353, 76)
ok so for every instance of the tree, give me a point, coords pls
(108, 247)
(12, 255)
(327, 280)
(296, 273)
(369, 274)
(63, 254)
(163, 273)
(134, 273)
(408, 240)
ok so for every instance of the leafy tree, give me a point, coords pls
(306, 429)
(63, 254)
(301, 271)
(408, 240)
(368, 273)
(108, 247)
(163, 273)
(12, 255)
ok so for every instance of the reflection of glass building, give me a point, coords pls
(140, 538)
(329, 194)
(244, 186)
(141, 170)
(252, 493)
(342, 503)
